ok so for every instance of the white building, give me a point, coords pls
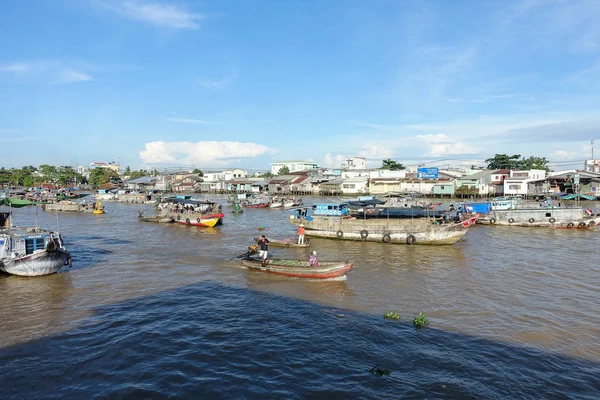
(592, 166)
(236, 173)
(355, 186)
(293, 166)
(516, 182)
(355, 163)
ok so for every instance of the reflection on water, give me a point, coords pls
(536, 289)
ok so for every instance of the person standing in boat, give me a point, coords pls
(300, 233)
(263, 243)
(313, 259)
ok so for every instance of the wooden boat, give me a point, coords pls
(16, 202)
(298, 268)
(285, 243)
(157, 218)
(543, 217)
(184, 209)
(30, 251)
(199, 221)
(332, 221)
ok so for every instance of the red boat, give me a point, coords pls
(300, 269)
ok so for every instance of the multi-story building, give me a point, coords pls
(293, 166)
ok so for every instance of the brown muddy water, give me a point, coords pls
(164, 311)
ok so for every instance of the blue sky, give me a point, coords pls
(219, 84)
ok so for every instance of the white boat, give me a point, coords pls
(30, 251)
(277, 202)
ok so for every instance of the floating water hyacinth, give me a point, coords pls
(377, 370)
(420, 321)
(391, 315)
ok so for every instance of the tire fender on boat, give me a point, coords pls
(592, 223)
(511, 220)
(339, 234)
(198, 220)
(410, 239)
(552, 220)
(582, 224)
(364, 233)
(492, 220)
(386, 238)
(187, 221)
(51, 247)
(570, 225)
(531, 220)
(178, 217)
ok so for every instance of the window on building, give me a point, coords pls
(514, 187)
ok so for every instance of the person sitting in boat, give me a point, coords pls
(313, 259)
(300, 233)
(263, 243)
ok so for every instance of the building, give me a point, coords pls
(111, 165)
(293, 166)
(517, 183)
(355, 163)
(592, 166)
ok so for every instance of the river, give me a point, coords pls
(166, 311)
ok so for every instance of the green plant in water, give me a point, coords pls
(420, 321)
(377, 370)
(391, 315)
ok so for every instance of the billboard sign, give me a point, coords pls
(427, 173)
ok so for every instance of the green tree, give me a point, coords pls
(127, 171)
(198, 171)
(533, 163)
(391, 165)
(283, 170)
(100, 176)
(503, 161)
(49, 172)
(267, 175)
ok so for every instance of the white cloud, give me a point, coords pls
(455, 148)
(192, 121)
(45, 72)
(376, 151)
(333, 161)
(156, 13)
(204, 153)
(14, 68)
(218, 84)
(564, 154)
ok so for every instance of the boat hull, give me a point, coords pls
(284, 243)
(38, 264)
(394, 231)
(202, 222)
(555, 218)
(196, 219)
(157, 219)
(300, 269)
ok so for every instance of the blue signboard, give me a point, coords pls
(427, 173)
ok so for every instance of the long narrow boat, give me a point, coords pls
(332, 221)
(16, 202)
(300, 269)
(156, 218)
(199, 221)
(285, 243)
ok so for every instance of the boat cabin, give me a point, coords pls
(323, 209)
